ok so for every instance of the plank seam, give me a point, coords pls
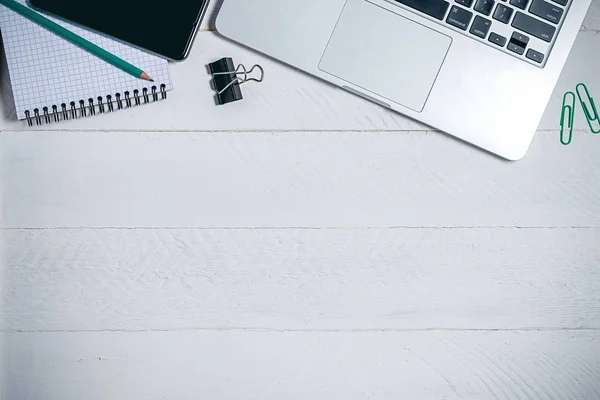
(279, 228)
(265, 131)
(258, 329)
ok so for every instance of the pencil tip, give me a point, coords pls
(145, 76)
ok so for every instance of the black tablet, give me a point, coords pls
(166, 28)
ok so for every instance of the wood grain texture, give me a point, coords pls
(286, 100)
(3, 261)
(402, 263)
(336, 279)
(305, 365)
(336, 179)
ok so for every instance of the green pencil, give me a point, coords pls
(76, 39)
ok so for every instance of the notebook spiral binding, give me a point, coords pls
(75, 110)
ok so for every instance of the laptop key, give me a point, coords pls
(518, 43)
(546, 11)
(466, 3)
(520, 39)
(515, 48)
(522, 4)
(459, 17)
(484, 6)
(480, 27)
(561, 2)
(434, 8)
(497, 39)
(503, 13)
(535, 56)
(534, 27)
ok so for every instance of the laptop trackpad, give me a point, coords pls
(385, 54)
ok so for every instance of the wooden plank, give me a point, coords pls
(304, 365)
(286, 100)
(4, 355)
(3, 320)
(306, 179)
(138, 279)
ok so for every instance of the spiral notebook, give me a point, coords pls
(54, 80)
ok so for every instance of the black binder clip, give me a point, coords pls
(227, 80)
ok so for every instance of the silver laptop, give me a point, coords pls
(480, 70)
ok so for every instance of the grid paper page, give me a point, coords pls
(47, 70)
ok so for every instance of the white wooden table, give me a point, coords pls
(300, 244)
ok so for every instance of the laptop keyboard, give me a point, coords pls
(523, 28)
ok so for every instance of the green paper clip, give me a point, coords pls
(564, 138)
(589, 108)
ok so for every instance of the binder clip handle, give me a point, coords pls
(241, 70)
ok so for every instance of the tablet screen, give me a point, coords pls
(166, 28)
